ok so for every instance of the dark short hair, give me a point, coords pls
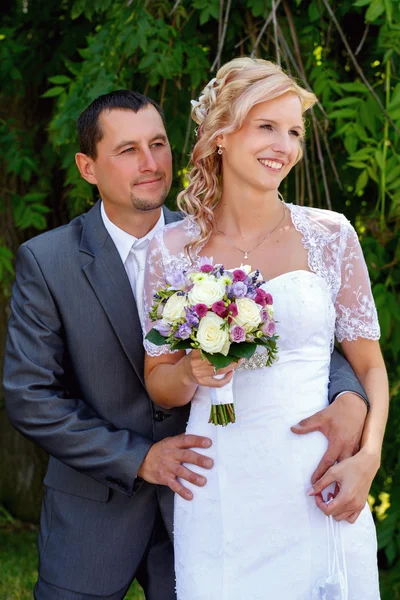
(89, 130)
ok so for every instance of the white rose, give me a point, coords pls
(245, 268)
(206, 292)
(249, 313)
(174, 308)
(211, 337)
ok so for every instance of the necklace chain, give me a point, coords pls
(247, 252)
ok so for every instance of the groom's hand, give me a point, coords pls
(342, 423)
(163, 463)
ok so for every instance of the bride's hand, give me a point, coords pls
(202, 371)
(353, 477)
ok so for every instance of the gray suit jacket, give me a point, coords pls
(74, 385)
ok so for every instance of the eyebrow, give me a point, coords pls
(275, 123)
(160, 136)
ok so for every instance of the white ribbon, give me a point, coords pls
(335, 585)
(222, 395)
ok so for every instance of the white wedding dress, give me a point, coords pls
(252, 533)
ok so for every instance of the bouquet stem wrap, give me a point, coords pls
(222, 407)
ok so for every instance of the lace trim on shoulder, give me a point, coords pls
(323, 245)
(335, 254)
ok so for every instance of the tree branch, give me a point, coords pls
(221, 45)
(358, 68)
(278, 56)
(264, 27)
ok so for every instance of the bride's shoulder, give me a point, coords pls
(174, 236)
(319, 219)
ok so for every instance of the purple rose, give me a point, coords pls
(201, 310)
(163, 328)
(220, 309)
(239, 275)
(233, 309)
(268, 328)
(184, 331)
(237, 334)
(239, 289)
(264, 315)
(206, 268)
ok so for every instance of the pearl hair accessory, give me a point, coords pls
(206, 99)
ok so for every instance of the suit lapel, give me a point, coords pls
(106, 274)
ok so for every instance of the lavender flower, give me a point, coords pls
(191, 317)
(239, 289)
(184, 331)
(163, 328)
(177, 280)
(205, 261)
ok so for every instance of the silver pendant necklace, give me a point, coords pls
(247, 252)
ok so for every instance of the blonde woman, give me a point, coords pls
(257, 531)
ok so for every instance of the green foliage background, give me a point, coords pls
(57, 56)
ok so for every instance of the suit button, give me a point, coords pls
(159, 416)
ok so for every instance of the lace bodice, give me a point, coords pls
(334, 254)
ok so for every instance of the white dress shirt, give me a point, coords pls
(132, 251)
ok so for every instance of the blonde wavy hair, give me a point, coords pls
(221, 108)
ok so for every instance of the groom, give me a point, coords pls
(73, 375)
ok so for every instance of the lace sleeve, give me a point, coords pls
(153, 280)
(356, 315)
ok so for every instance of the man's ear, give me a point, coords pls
(84, 164)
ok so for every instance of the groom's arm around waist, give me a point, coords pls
(343, 379)
(36, 400)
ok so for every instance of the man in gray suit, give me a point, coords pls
(73, 374)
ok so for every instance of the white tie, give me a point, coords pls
(135, 266)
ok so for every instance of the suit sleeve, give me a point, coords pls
(36, 400)
(343, 379)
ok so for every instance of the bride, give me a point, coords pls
(257, 530)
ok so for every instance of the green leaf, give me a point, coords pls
(219, 360)
(362, 181)
(347, 101)
(182, 345)
(313, 12)
(156, 338)
(376, 8)
(362, 154)
(379, 159)
(60, 79)
(52, 92)
(355, 86)
(242, 350)
(343, 113)
(361, 2)
(357, 165)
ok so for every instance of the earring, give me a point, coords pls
(220, 149)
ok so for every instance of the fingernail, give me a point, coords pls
(208, 463)
(206, 443)
(310, 491)
(188, 495)
(201, 480)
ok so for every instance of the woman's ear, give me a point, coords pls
(220, 140)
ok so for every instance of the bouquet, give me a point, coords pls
(224, 314)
